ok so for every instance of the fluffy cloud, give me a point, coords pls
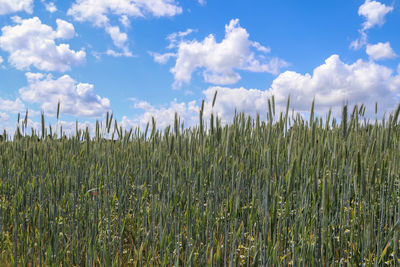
(1, 60)
(176, 37)
(119, 38)
(31, 43)
(164, 116)
(334, 82)
(331, 84)
(12, 106)
(76, 99)
(12, 6)
(219, 61)
(4, 116)
(51, 7)
(380, 51)
(98, 12)
(374, 13)
(162, 58)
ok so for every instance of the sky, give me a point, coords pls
(153, 58)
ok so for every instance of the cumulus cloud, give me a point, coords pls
(98, 13)
(31, 43)
(124, 20)
(12, 6)
(119, 38)
(76, 99)
(380, 51)
(12, 106)
(162, 58)
(360, 42)
(164, 116)
(374, 13)
(331, 84)
(219, 62)
(1, 60)
(176, 37)
(4, 116)
(51, 7)
(334, 82)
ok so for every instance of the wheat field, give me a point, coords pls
(280, 192)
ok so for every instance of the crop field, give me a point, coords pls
(285, 191)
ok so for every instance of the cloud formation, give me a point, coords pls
(31, 43)
(219, 62)
(164, 116)
(331, 84)
(12, 106)
(12, 6)
(374, 13)
(380, 51)
(98, 12)
(77, 99)
(334, 82)
(51, 7)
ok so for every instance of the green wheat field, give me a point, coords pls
(286, 191)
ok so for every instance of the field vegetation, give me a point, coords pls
(285, 191)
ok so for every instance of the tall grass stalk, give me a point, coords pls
(288, 192)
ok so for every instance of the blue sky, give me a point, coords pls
(143, 59)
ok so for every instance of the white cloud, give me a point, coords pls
(76, 99)
(124, 19)
(260, 48)
(219, 61)
(4, 116)
(114, 53)
(374, 13)
(119, 38)
(176, 37)
(164, 116)
(1, 60)
(334, 82)
(51, 7)
(331, 84)
(12, 106)
(360, 42)
(31, 43)
(162, 58)
(12, 6)
(249, 101)
(98, 13)
(202, 2)
(380, 51)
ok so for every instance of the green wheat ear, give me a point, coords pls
(214, 98)
(58, 109)
(252, 192)
(344, 120)
(396, 114)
